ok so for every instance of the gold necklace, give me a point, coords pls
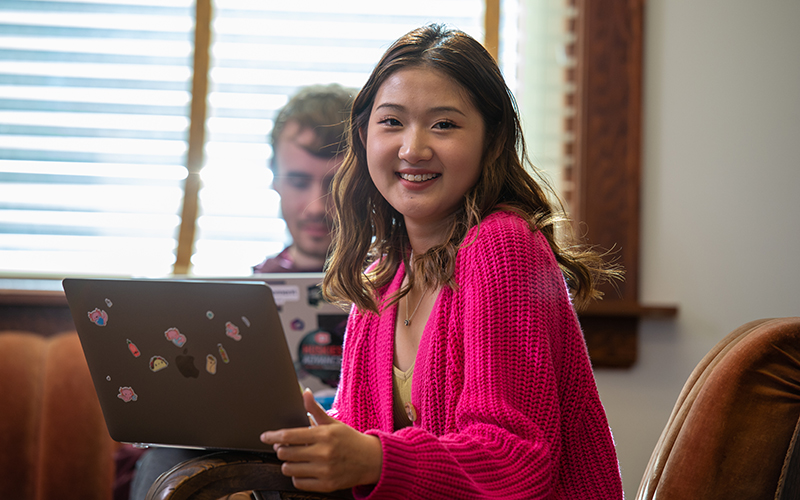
(407, 321)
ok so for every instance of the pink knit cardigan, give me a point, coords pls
(506, 399)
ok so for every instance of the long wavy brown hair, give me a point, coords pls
(368, 230)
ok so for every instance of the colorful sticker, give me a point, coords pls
(126, 394)
(98, 317)
(176, 337)
(298, 325)
(211, 364)
(322, 338)
(210, 314)
(246, 321)
(232, 331)
(223, 354)
(158, 363)
(134, 350)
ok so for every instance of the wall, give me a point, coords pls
(720, 194)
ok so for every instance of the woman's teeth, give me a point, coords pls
(418, 178)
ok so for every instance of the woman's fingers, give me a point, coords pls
(327, 457)
(314, 409)
(296, 436)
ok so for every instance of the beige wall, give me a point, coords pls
(721, 196)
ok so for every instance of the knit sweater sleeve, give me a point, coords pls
(502, 383)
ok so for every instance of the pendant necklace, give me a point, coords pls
(407, 321)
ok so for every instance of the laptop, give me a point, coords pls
(188, 363)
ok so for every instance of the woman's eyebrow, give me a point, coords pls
(435, 109)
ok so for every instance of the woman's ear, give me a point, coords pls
(362, 136)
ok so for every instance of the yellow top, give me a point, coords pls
(401, 389)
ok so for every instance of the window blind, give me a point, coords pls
(262, 51)
(94, 100)
(94, 117)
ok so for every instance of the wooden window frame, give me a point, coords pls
(604, 175)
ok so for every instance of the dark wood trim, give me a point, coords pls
(605, 173)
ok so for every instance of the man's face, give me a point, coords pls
(303, 181)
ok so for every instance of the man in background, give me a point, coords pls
(307, 149)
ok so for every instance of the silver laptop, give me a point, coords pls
(187, 363)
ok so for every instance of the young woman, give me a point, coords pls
(465, 373)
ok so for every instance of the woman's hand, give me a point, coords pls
(327, 457)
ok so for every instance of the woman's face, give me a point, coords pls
(424, 144)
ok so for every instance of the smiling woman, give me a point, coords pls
(424, 145)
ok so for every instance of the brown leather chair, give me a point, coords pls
(53, 440)
(732, 434)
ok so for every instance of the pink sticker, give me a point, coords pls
(176, 337)
(98, 317)
(158, 363)
(232, 331)
(126, 394)
(134, 350)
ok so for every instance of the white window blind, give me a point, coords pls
(94, 118)
(94, 100)
(542, 81)
(262, 51)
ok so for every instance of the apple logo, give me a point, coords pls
(185, 364)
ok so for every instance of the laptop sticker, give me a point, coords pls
(134, 350)
(298, 324)
(232, 331)
(158, 363)
(223, 354)
(98, 317)
(211, 364)
(175, 337)
(210, 314)
(108, 303)
(126, 394)
(246, 321)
